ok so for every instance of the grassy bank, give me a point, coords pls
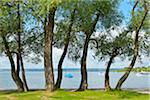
(137, 69)
(68, 95)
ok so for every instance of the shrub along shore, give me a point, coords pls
(138, 69)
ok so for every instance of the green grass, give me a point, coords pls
(69, 95)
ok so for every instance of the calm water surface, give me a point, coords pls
(36, 80)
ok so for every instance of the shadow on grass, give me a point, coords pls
(6, 92)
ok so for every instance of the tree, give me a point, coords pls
(48, 38)
(7, 30)
(66, 44)
(49, 9)
(46, 15)
(111, 46)
(99, 14)
(16, 39)
(19, 51)
(83, 85)
(137, 28)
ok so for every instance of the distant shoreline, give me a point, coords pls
(68, 69)
(137, 69)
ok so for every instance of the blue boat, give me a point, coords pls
(69, 75)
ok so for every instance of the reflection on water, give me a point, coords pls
(95, 80)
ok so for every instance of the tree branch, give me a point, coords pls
(145, 13)
(96, 42)
(33, 11)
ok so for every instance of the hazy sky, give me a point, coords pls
(125, 8)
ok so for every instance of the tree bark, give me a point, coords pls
(26, 88)
(112, 56)
(107, 84)
(14, 75)
(59, 77)
(84, 84)
(18, 64)
(48, 63)
(125, 76)
(66, 44)
(136, 46)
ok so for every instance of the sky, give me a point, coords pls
(125, 7)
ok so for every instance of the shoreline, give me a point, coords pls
(138, 90)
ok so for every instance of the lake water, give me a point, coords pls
(35, 79)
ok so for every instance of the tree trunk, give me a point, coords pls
(107, 85)
(136, 46)
(23, 75)
(15, 77)
(84, 84)
(125, 76)
(18, 64)
(48, 63)
(19, 54)
(59, 77)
